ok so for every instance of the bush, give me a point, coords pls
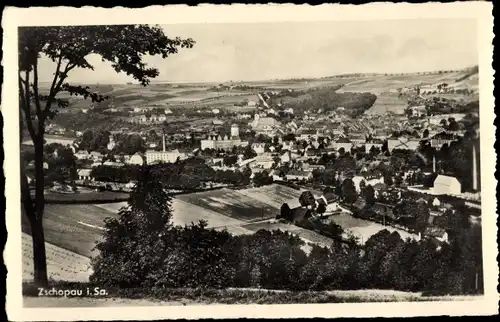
(141, 249)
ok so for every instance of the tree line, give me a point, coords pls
(192, 173)
(327, 99)
(143, 249)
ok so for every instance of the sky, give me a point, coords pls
(247, 52)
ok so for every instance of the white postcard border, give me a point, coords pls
(14, 17)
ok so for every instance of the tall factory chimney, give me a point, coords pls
(434, 163)
(163, 137)
(474, 169)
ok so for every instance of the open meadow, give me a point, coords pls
(76, 228)
(388, 102)
(62, 264)
(364, 229)
(246, 205)
(384, 83)
(53, 139)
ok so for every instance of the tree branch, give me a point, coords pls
(56, 87)
(26, 106)
(22, 83)
(41, 119)
(64, 75)
(59, 61)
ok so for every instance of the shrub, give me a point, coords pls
(141, 249)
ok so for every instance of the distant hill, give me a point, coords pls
(187, 94)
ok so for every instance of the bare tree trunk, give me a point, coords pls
(34, 213)
(39, 255)
(36, 222)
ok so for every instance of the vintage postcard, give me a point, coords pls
(256, 161)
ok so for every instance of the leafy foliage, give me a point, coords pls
(262, 178)
(184, 175)
(124, 46)
(349, 193)
(307, 199)
(142, 249)
(327, 99)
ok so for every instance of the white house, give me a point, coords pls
(330, 200)
(446, 185)
(402, 143)
(259, 148)
(299, 175)
(136, 159)
(84, 174)
(265, 161)
(111, 145)
(96, 156)
(286, 157)
(342, 142)
(377, 144)
(113, 164)
(215, 111)
(82, 155)
(275, 174)
(130, 185)
(357, 182)
(164, 156)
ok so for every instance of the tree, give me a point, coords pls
(230, 160)
(122, 45)
(307, 199)
(453, 125)
(349, 193)
(412, 214)
(289, 137)
(362, 185)
(249, 152)
(388, 180)
(321, 208)
(385, 147)
(369, 195)
(262, 178)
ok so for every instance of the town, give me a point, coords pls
(380, 166)
(240, 183)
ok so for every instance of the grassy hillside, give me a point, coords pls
(388, 102)
(207, 95)
(386, 83)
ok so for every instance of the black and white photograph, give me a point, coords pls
(246, 163)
